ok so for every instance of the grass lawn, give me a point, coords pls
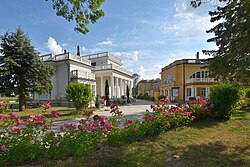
(65, 112)
(207, 143)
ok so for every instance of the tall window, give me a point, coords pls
(188, 91)
(203, 92)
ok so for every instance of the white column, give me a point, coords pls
(130, 88)
(120, 86)
(195, 92)
(112, 86)
(125, 88)
(102, 89)
(207, 92)
(192, 92)
(116, 87)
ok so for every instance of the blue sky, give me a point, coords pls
(146, 35)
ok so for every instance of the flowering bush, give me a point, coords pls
(3, 106)
(32, 139)
(162, 118)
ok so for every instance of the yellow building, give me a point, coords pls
(151, 87)
(186, 78)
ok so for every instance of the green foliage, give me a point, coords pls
(21, 70)
(226, 98)
(80, 11)
(161, 97)
(247, 92)
(80, 94)
(247, 98)
(232, 60)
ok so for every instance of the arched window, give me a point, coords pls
(199, 74)
(168, 79)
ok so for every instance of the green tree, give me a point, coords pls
(21, 70)
(232, 33)
(80, 94)
(80, 11)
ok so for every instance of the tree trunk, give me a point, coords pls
(21, 101)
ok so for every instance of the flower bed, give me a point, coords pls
(32, 139)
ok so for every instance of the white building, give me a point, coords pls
(92, 69)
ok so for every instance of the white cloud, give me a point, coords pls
(159, 66)
(136, 55)
(53, 46)
(106, 42)
(65, 45)
(132, 56)
(83, 49)
(141, 71)
(174, 27)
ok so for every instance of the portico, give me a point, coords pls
(117, 85)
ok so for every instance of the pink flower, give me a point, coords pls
(107, 126)
(3, 117)
(12, 115)
(15, 129)
(3, 148)
(46, 106)
(152, 106)
(105, 131)
(135, 129)
(186, 113)
(113, 105)
(193, 117)
(166, 100)
(167, 115)
(128, 122)
(149, 117)
(96, 117)
(169, 125)
(57, 144)
(54, 114)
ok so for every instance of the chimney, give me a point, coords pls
(65, 51)
(197, 56)
(78, 51)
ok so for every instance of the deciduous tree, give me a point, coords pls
(80, 11)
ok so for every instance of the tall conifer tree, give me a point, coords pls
(21, 70)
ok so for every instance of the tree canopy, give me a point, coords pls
(21, 70)
(80, 11)
(232, 33)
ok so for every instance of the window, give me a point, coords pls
(203, 92)
(199, 74)
(175, 92)
(188, 91)
(168, 79)
(93, 64)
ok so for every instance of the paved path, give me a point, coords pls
(132, 111)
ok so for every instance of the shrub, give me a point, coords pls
(247, 92)
(225, 97)
(80, 94)
(161, 97)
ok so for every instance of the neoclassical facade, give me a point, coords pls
(92, 69)
(106, 66)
